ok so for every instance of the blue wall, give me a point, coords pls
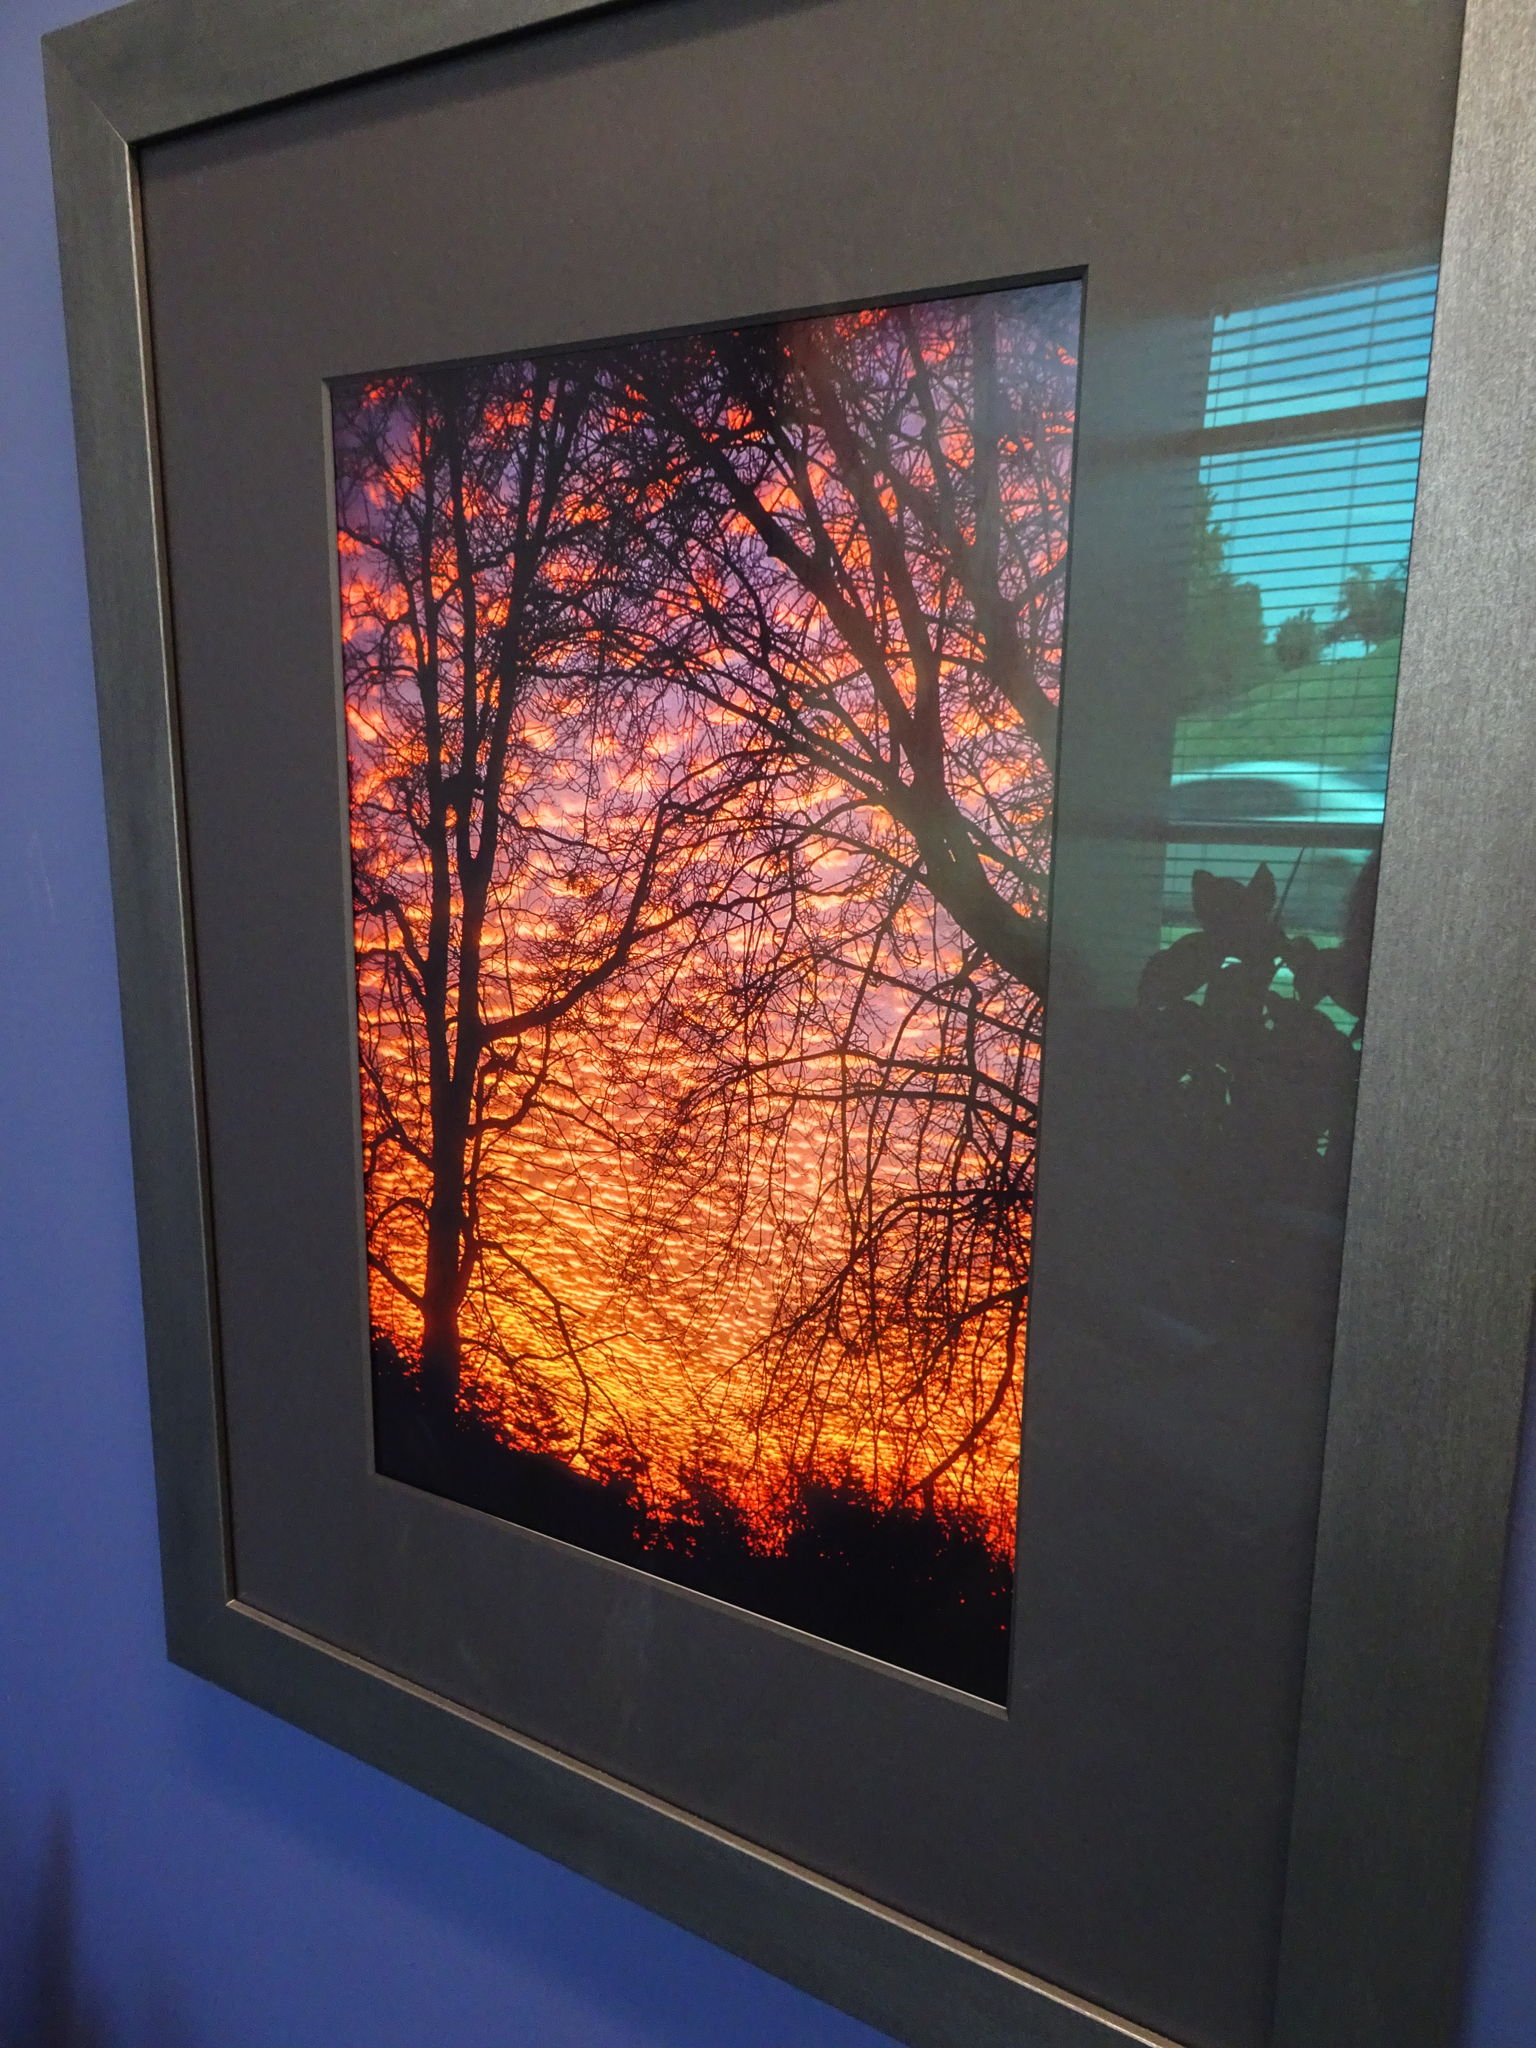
(178, 1870)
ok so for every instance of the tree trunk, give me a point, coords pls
(441, 1351)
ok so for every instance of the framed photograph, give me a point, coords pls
(816, 752)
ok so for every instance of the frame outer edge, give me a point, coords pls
(882, 1967)
(1424, 1422)
(1434, 1318)
(156, 65)
(114, 431)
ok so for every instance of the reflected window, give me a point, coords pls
(1308, 466)
(1360, 344)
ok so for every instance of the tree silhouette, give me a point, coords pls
(1298, 641)
(871, 522)
(1224, 621)
(455, 513)
(1370, 608)
(701, 703)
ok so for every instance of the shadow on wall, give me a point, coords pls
(51, 2003)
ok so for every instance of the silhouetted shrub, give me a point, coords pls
(902, 1582)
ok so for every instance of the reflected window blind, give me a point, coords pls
(1361, 344)
(1306, 543)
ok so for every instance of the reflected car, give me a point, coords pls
(1238, 800)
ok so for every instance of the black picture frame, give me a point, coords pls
(1434, 1323)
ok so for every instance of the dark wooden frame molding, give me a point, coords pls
(1441, 1246)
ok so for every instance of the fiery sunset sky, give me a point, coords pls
(701, 700)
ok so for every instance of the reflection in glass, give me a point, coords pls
(1304, 514)
(1251, 1007)
(1355, 345)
